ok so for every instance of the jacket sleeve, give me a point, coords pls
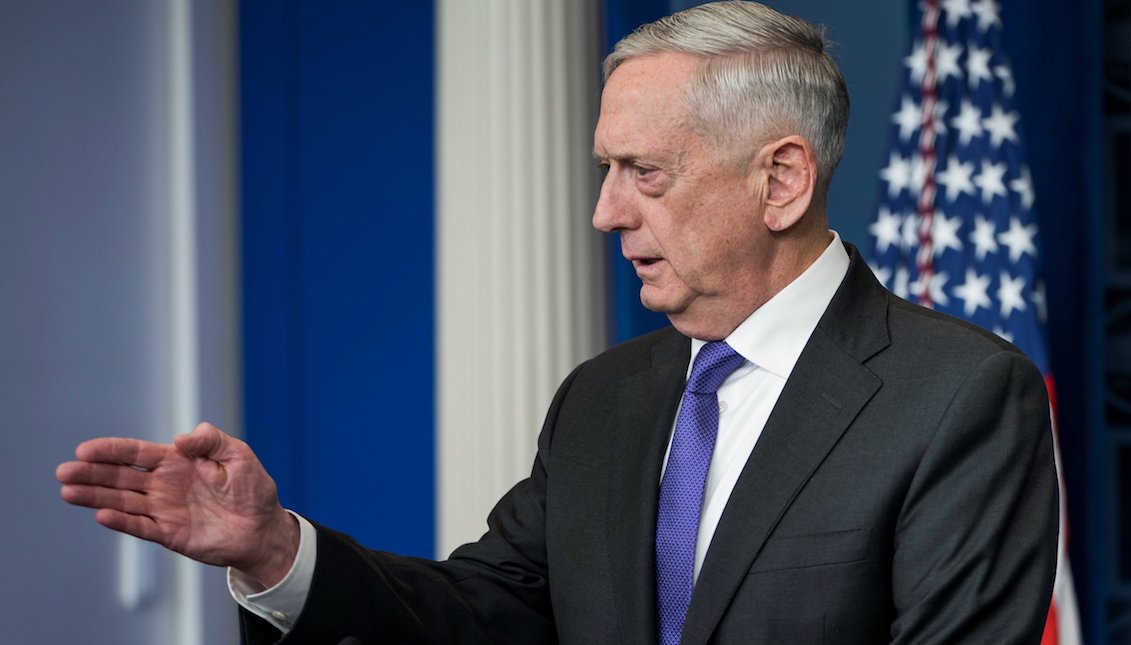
(491, 591)
(975, 545)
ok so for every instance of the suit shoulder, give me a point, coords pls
(639, 353)
(937, 336)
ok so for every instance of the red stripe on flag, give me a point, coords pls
(1050, 385)
(1052, 628)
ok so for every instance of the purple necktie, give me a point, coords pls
(681, 491)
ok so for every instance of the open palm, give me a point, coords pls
(205, 496)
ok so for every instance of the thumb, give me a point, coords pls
(206, 440)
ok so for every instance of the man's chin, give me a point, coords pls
(662, 301)
(695, 321)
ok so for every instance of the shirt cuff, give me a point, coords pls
(280, 605)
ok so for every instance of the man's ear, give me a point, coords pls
(791, 171)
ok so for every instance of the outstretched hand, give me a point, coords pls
(205, 496)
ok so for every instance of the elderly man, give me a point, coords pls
(801, 458)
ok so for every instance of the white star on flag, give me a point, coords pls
(909, 118)
(946, 61)
(944, 230)
(973, 292)
(1000, 124)
(917, 62)
(968, 122)
(990, 180)
(1009, 294)
(987, 13)
(1023, 186)
(886, 230)
(978, 66)
(983, 237)
(955, 11)
(897, 174)
(956, 178)
(1019, 239)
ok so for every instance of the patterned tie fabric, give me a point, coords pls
(681, 491)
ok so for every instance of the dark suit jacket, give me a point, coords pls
(902, 491)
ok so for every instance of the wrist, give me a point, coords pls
(278, 550)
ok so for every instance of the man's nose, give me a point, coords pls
(614, 210)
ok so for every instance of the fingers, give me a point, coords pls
(123, 511)
(135, 525)
(99, 474)
(127, 501)
(208, 441)
(116, 450)
(205, 441)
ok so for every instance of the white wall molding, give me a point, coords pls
(203, 267)
(520, 297)
(184, 363)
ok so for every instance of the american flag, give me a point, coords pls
(956, 229)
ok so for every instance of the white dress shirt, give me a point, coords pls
(770, 339)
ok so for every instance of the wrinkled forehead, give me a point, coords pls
(645, 96)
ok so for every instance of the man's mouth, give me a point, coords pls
(647, 268)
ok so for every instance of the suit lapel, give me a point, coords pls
(826, 390)
(646, 405)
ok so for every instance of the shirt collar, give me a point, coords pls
(773, 336)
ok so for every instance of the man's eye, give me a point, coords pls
(603, 167)
(642, 171)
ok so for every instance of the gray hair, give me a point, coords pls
(764, 75)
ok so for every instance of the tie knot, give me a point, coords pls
(714, 363)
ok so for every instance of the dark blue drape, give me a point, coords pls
(337, 155)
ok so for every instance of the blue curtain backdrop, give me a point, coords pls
(627, 317)
(336, 134)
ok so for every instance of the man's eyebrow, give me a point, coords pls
(628, 158)
(606, 158)
(667, 162)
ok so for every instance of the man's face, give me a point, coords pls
(689, 216)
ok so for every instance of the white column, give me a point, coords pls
(520, 296)
(184, 332)
(202, 267)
